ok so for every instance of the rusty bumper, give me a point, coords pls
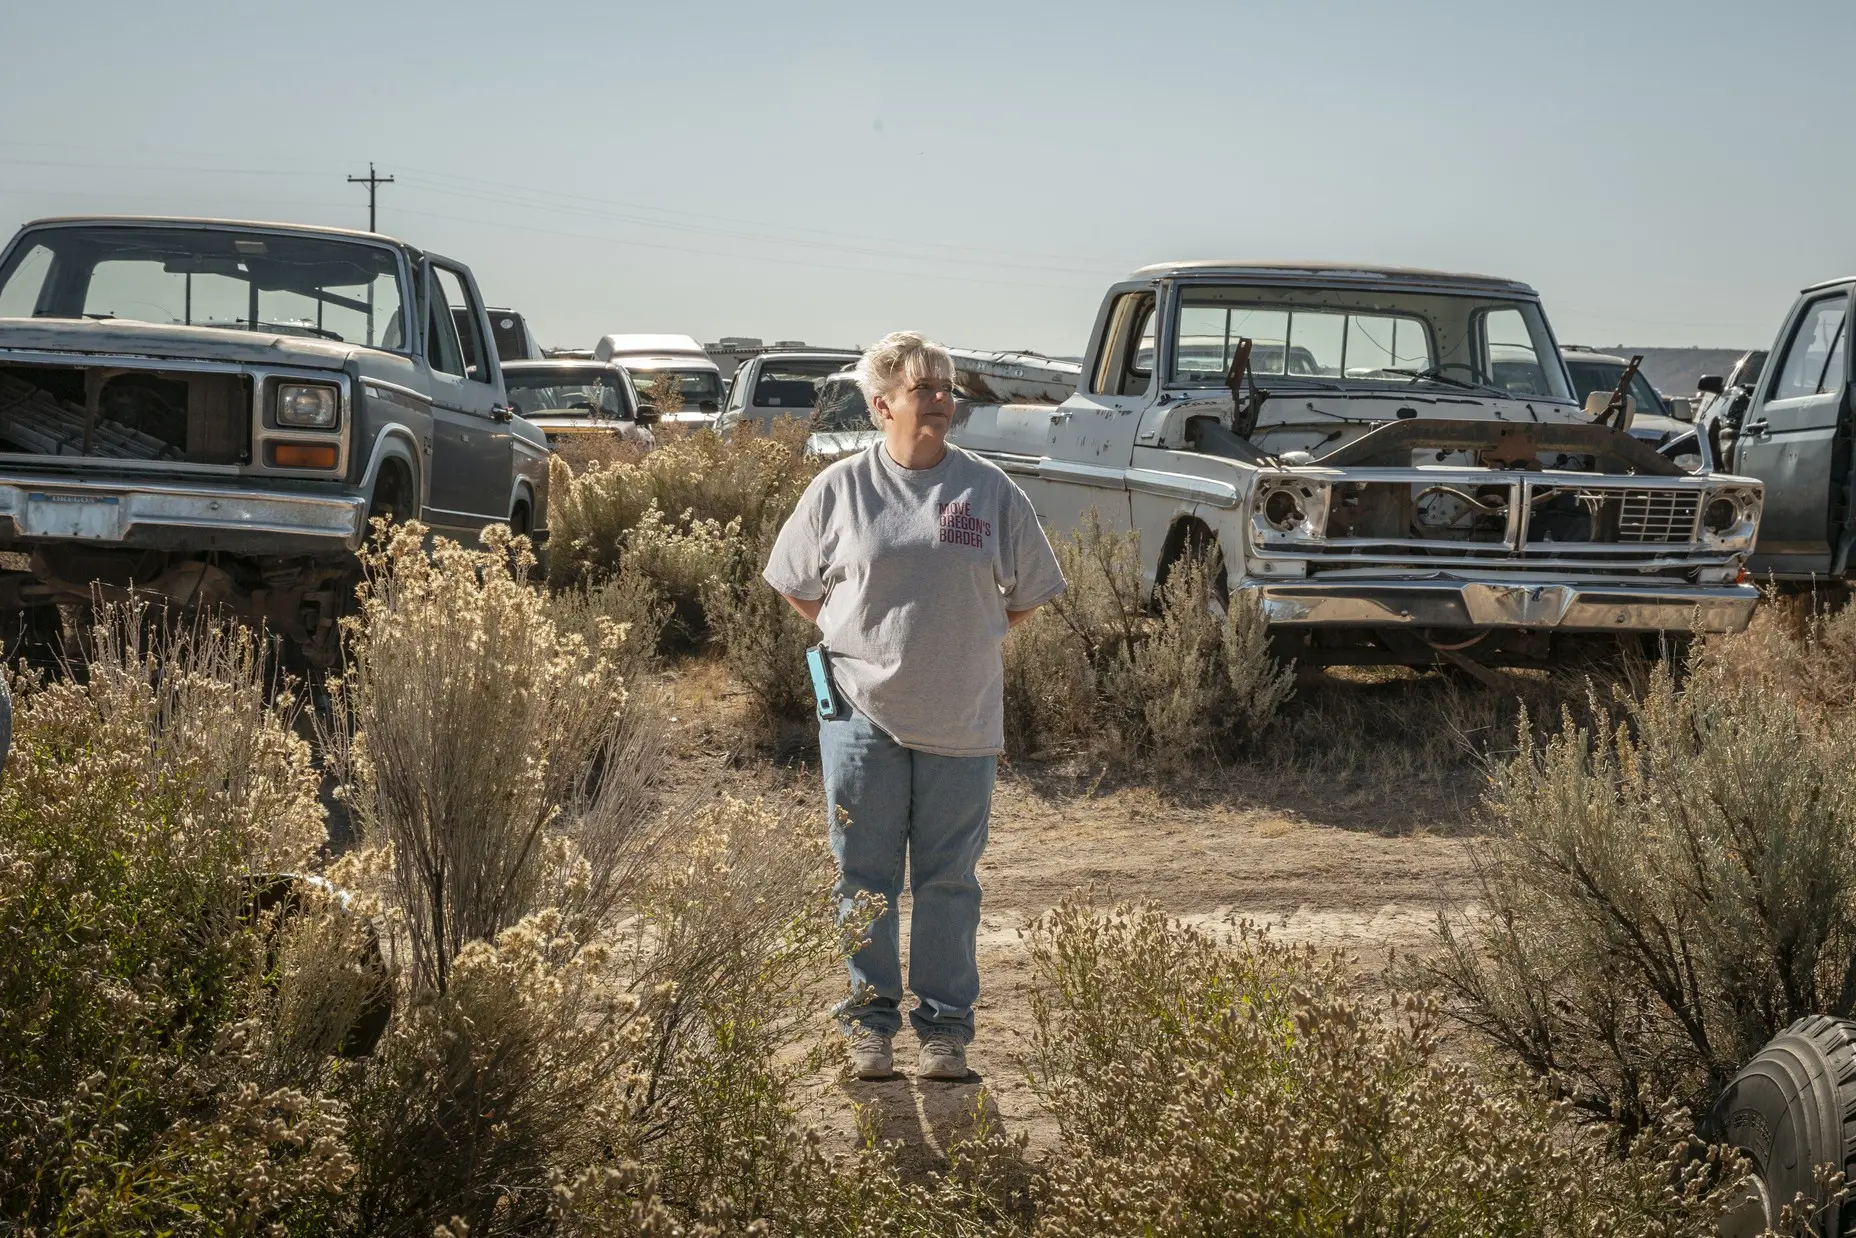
(1564, 606)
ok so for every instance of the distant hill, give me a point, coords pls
(1675, 371)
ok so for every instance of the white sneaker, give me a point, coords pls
(870, 1053)
(942, 1059)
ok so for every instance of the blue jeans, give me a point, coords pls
(898, 803)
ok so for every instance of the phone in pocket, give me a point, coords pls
(824, 692)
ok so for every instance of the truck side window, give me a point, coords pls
(467, 321)
(1814, 354)
(1509, 359)
(1126, 363)
(442, 351)
(23, 289)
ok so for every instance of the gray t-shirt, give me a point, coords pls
(917, 568)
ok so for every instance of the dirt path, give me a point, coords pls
(1364, 869)
(1308, 882)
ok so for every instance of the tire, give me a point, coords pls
(1790, 1109)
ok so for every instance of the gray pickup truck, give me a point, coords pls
(210, 412)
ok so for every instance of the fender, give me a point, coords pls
(396, 442)
(529, 456)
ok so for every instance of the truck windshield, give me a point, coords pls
(535, 392)
(1589, 375)
(327, 287)
(1373, 337)
(792, 382)
(701, 390)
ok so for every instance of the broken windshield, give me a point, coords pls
(245, 280)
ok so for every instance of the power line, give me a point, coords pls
(373, 184)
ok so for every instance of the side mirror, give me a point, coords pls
(646, 414)
(1711, 384)
(1682, 408)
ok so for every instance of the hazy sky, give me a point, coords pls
(1665, 174)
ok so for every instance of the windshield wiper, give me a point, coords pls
(1435, 374)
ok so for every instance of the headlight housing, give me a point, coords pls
(308, 406)
(1730, 517)
(1288, 510)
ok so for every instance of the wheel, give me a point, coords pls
(392, 499)
(1791, 1109)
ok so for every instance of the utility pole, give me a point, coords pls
(373, 184)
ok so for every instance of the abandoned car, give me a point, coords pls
(772, 385)
(210, 411)
(1391, 462)
(574, 399)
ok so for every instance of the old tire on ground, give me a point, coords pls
(1791, 1109)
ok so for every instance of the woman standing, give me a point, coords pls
(914, 558)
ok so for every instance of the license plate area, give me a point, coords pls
(92, 517)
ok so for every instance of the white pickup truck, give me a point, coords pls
(1390, 461)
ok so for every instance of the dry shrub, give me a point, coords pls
(631, 600)
(748, 477)
(1668, 887)
(763, 639)
(603, 448)
(1223, 1084)
(144, 1073)
(1174, 688)
(500, 756)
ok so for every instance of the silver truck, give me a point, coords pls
(1390, 461)
(210, 411)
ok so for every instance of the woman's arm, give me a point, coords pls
(810, 608)
(1012, 617)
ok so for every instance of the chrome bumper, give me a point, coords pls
(1568, 606)
(161, 516)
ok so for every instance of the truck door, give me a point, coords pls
(1092, 433)
(1790, 436)
(471, 452)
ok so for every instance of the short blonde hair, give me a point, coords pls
(900, 357)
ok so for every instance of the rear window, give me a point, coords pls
(841, 407)
(793, 384)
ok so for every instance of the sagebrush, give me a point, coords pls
(1670, 883)
(1175, 685)
(1213, 1082)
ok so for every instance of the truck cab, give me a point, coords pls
(1791, 429)
(211, 411)
(1391, 462)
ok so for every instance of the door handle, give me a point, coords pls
(502, 412)
(1760, 429)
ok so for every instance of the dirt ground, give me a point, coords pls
(1364, 870)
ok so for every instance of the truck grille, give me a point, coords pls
(1657, 515)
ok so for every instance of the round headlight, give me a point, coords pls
(1283, 510)
(310, 406)
(1720, 515)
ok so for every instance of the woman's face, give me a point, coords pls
(919, 409)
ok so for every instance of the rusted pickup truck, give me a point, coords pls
(1390, 461)
(210, 411)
